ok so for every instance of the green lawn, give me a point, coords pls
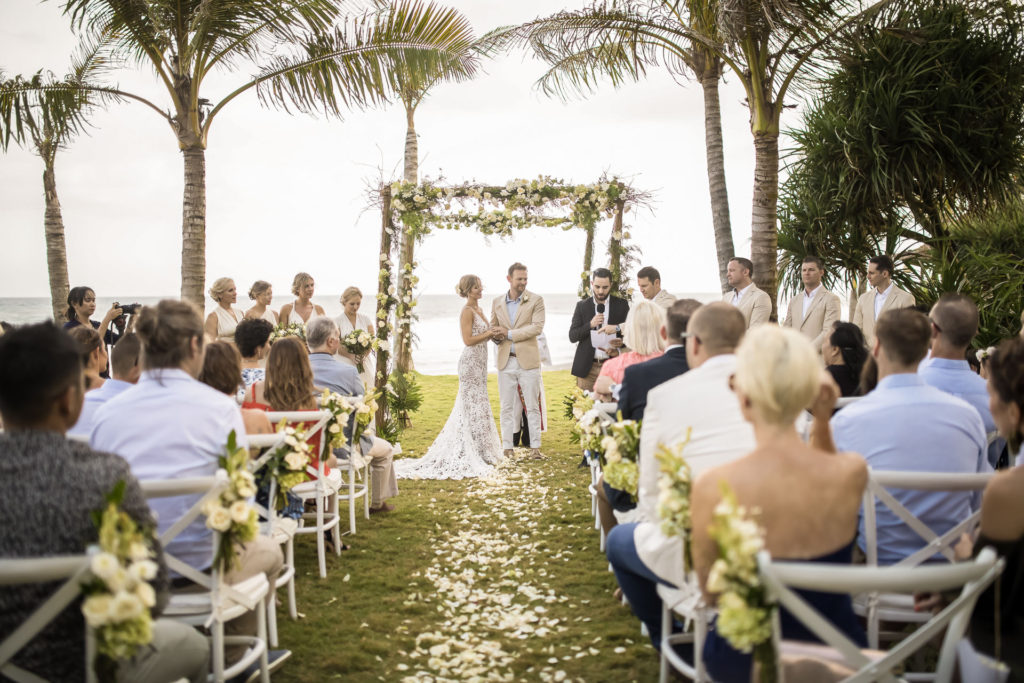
(499, 578)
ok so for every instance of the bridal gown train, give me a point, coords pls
(468, 445)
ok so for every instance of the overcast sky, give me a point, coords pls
(288, 193)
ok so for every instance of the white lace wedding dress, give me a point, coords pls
(468, 445)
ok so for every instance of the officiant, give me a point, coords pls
(596, 329)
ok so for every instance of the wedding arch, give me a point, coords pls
(493, 210)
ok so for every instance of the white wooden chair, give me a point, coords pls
(351, 488)
(891, 607)
(688, 603)
(217, 602)
(859, 665)
(74, 570)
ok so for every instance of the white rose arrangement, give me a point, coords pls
(282, 330)
(231, 514)
(674, 489)
(341, 409)
(287, 463)
(621, 447)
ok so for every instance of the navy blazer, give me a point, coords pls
(579, 329)
(642, 377)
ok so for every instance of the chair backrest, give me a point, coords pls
(932, 543)
(74, 569)
(970, 577)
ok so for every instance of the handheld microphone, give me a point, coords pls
(600, 308)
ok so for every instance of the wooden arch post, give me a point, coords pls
(383, 304)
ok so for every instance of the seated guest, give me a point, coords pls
(906, 425)
(125, 367)
(170, 425)
(81, 306)
(954, 321)
(641, 335)
(221, 324)
(844, 352)
(94, 355)
(222, 370)
(777, 377)
(262, 293)
(40, 397)
(971, 356)
(700, 400)
(637, 381)
(251, 338)
(329, 373)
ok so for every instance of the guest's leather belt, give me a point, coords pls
(511, 355)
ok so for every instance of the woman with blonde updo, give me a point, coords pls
(468, 445)
(220, 325)
(349, 320)
(778, 375)
(262, 293)
(303, 308)
(641, 335)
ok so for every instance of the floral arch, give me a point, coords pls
(493, 210)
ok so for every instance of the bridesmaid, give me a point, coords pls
(349, 320)
(220, 325)
(262, 293)
(303, 309)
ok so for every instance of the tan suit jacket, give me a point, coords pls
(756, 305)
(523, 330)
(864, 316)
(817, 324)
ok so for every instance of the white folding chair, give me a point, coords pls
(859, 665)
(74, 570)
(890, 607)
(218, 602)
(351, 472)
(688, 603)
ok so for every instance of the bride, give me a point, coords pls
(468, 446)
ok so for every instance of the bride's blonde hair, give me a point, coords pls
(466, 283)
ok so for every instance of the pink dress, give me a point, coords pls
(616, 367)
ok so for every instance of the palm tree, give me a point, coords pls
(48, 113)
(765, 44)
(313, 55)
(619, 41)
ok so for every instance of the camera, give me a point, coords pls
(128, 309)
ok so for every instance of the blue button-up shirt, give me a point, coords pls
(170, 426)
(93, 400)
(955, 377)
(906, 425)
(512, 306)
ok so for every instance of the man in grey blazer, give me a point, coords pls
(883, 296)
(814, 310)
(753, 303)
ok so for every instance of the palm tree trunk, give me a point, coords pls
(193, 227)
(403, 340)
(714, 151)
(764, 238)
(56, 250)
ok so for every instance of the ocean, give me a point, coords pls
(438, 339)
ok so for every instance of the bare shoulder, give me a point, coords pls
(853, 465)
(466, 313)
(1002, 505)
(319, 310)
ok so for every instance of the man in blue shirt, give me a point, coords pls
(907, 425)
(125, 370)
(954, 321)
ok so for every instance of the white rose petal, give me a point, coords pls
(143, 571)
(96, 610)
(240, 512)
(219, 519)
(104, 565)
(145, 593)
(125, 606)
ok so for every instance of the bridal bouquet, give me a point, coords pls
(621, 447)
(744, 608)
(359, 343)
(231, 513)
(286, 464)
(674, 489)
(119, 597)
(282, 330)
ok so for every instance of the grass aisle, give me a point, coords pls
(498, 578)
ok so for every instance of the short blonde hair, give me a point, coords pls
(299, 281)
(219, 287)
(466, 283)
(778, 370)
(642, 329)
(350, 293)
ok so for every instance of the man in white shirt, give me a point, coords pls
(883, 296)
(702, 402)
(125, 370)
(753, 303)
(814, 310)
(648, 279)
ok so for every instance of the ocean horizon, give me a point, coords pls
(437, 336)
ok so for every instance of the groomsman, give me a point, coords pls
(599, 312)
(648, 279)
(753, 303)
(814, 310)
(883, 296)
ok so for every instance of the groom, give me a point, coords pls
(518, 316)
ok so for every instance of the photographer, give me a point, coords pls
(81, 306)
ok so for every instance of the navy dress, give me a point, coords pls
(727, 665)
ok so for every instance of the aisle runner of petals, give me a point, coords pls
(489, 588)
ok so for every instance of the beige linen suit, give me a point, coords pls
(755, 305)
(523, 368)
(822, 313)
(864, 316)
